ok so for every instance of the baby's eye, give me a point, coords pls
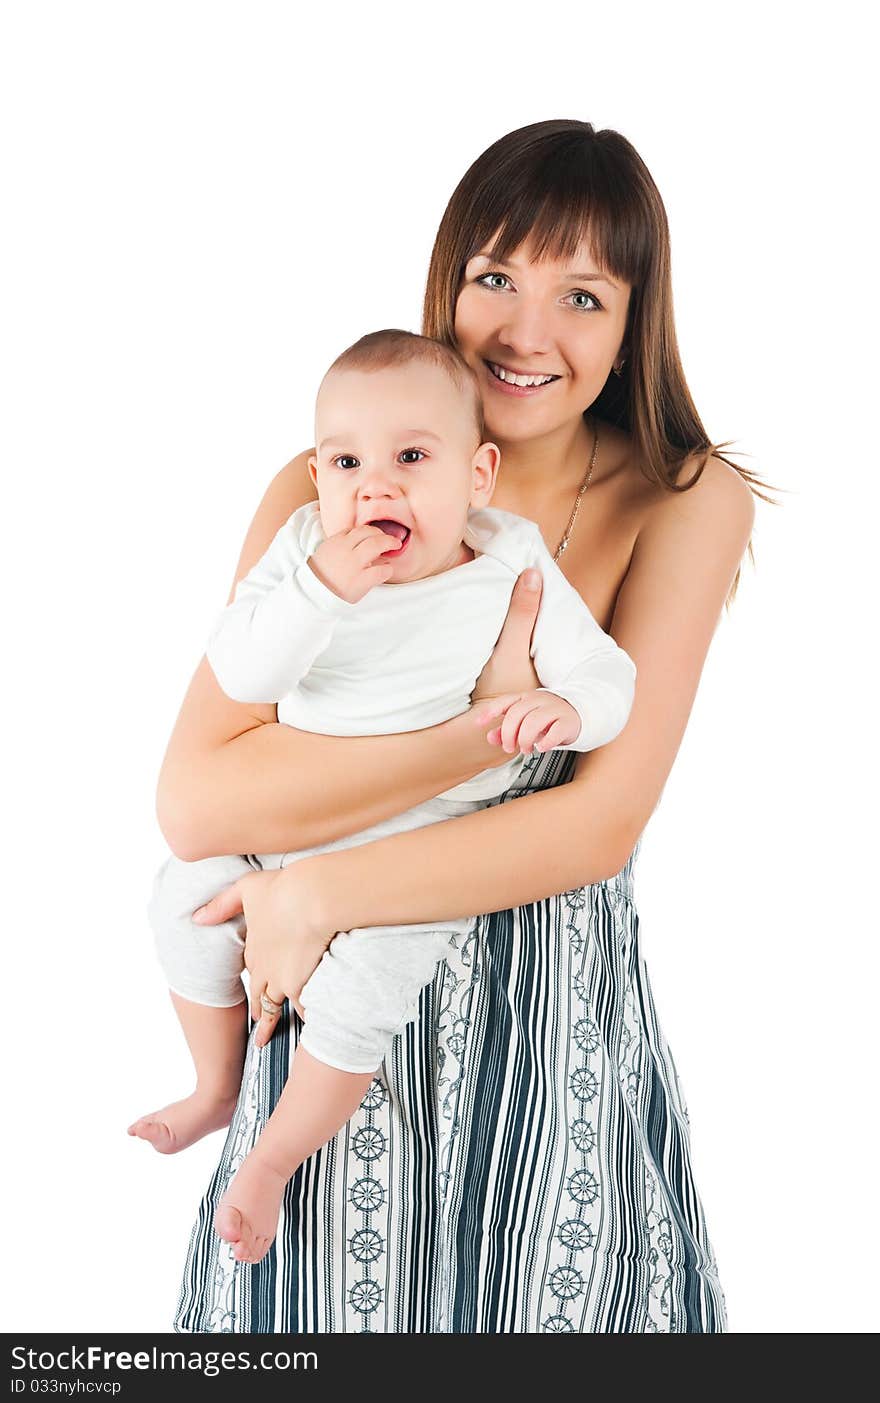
(587, 302)
(412, 455)
(345, 460)
(496, 281)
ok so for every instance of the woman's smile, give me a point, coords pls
(519, 383)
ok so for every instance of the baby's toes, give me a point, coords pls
(155, 1132)
(229, 1224)
(159, 1135)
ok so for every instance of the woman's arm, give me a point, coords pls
(234, 780)
(667, 610)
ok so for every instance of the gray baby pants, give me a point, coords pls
(367, 985)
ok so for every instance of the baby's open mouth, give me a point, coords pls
(393, 528)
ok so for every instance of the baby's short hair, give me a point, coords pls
(382, 350)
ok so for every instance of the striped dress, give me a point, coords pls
(520, 1164)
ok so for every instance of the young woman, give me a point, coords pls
(522, 1162)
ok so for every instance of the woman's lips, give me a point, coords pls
(517, 391)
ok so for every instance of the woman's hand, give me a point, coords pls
(510, 668)
(285, 935)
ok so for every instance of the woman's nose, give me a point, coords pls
(525, 329)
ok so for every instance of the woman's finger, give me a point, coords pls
(221, 907)
(525, 602)
(270, 1010)
(513, 648)
(510, 664)
(258, 987)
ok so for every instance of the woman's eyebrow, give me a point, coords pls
(490, 257)
(590, 278)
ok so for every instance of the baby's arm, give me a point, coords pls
(587, 681)
(266, 640)
(286, 608)
(576, 660)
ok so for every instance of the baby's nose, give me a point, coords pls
(378, 483)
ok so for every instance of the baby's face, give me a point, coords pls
(400, 445)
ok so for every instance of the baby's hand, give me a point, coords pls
(532, 721)
(349, 564)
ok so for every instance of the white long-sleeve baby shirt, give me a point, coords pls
(408, 655)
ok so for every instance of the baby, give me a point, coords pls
(372, 612)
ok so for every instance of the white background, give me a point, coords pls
(204, 204)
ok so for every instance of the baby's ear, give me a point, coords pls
(313, 469)
(484, 465)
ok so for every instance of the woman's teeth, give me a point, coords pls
(524, 381)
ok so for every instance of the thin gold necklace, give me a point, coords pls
(566, 535)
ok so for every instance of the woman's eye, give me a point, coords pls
(499, 282)
(585, 302)
(411, 455)
(345, 460)
(496, 281)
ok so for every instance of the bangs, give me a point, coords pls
(563, 193)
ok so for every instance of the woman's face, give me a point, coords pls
(561, 323)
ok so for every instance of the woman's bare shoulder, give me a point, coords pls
(693, 540)
(290, 489)
(719, 492)
(705, 527)
(720, 503)
(718, 484)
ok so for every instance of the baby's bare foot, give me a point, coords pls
(181, 1124)
(247, 1215)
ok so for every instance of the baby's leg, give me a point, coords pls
(316, 1102)
(366, 989)
(217, 1038)
(203, 965)
(361, 995)
(363, 992)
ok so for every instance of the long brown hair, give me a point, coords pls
(553, 182)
